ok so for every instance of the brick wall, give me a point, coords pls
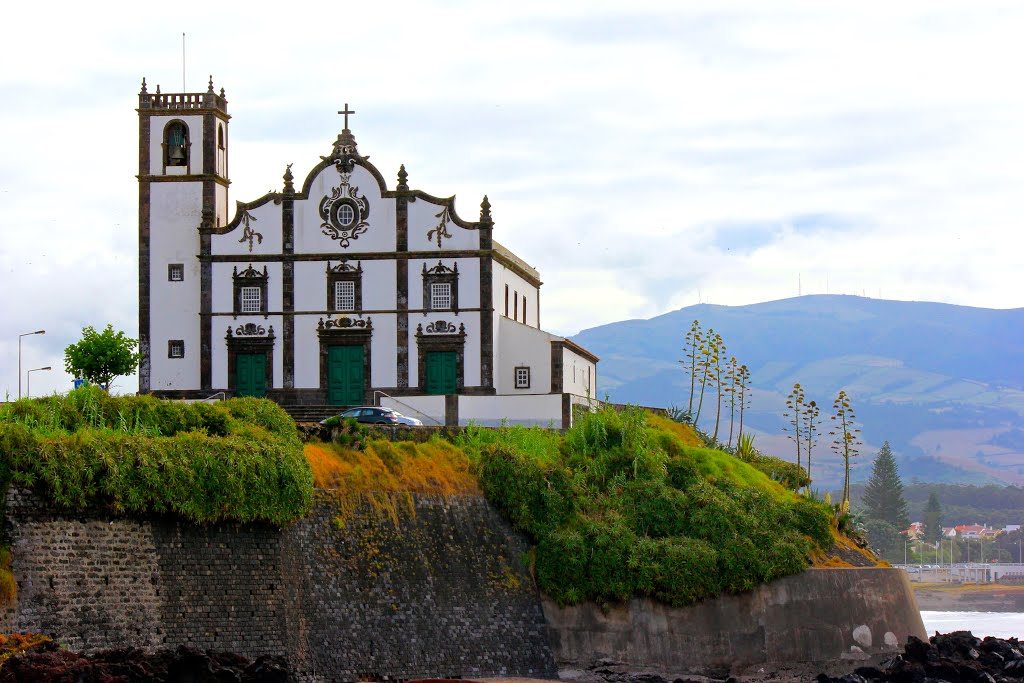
(444, 593)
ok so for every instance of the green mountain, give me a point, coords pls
(943, 384)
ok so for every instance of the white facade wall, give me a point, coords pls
(579, 375)
(471, 351)
(543, 410)
(518, 287)
(423, 218)
(380, 232)
(174, 306)
(522, 345)
(265, 222)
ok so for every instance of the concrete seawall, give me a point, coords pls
(819, 616)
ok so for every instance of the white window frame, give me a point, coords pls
(176, 348)
(251, 303)
(522, 377)
(346, 214)
(344, 295)
(440, 296)
(175, 272)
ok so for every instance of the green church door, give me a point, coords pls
(345, 380)
(251, 374)
(441, 372)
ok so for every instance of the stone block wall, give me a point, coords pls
(445, 592)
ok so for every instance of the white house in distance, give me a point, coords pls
(334, 292)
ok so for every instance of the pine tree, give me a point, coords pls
(883, 495)
(933, 519)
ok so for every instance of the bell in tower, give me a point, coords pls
(176, 144)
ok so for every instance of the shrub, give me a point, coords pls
(629, 504)
(240, 459)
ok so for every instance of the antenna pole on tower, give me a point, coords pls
(183, 61)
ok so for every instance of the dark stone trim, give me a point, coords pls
(362, 256)
(515, 376)
(209, 217)
(193, 178)
(237, 345)
(441, 274)
(566, 411)
(486, 322)
(249, 277)
(343, 272)
(347, 337)
(426, 343)
(288, 290)
(451, 410)
(368, 311)
(402, 288)
(556, 367)
(145, 352)
(209, 144)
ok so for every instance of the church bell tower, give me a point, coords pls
(183, 186)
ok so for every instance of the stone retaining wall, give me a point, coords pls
(445, 593)
(819, 616)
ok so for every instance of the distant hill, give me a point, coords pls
(943, 384)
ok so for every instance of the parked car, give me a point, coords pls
(376, 415)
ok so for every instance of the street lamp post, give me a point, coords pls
(19, 355)
(28, 385)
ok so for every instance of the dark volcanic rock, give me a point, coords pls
(953, 657)
(184, 665)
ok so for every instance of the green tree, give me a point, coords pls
(719, 345)
(743, 375)
(732, 376)
(885, 539)
(845, 440)
(101, 356)
(883, 496)
(705, 364)
(933, 519)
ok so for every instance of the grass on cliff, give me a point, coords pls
(239, 459)
(627, 504)
(388, 474)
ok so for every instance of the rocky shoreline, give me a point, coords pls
(952, 657)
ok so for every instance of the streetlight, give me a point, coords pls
(19, 355)
(28, 386)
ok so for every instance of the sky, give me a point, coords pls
(644, 156)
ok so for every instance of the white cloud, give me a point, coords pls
(618, 145)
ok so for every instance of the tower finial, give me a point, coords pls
(210, 88)
(143, 91)
(403, 177)
(289, 188)
(485, 211)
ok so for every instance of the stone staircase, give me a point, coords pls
(312, 413)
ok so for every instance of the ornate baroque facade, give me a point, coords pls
(332, 292)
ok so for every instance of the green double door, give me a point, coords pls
(346, 381)
(441, 372)
(251, 374)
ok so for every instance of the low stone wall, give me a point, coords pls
(444, 593)
(819, 616)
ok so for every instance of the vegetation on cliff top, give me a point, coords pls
(624, 504)
(240, 459)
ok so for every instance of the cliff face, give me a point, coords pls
(446, 592)
(820, 615)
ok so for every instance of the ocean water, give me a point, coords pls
(981, 624)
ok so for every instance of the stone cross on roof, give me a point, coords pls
(346, 111)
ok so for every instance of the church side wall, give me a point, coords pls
(517, 287)
(523, 346)
(444, 593)
(579, 375)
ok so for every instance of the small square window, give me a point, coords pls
(176, 348)
(522, 378)
(345, 295)
(175, 272)
(251, 300)
(440, 296)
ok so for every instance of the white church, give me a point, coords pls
(335, 290)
